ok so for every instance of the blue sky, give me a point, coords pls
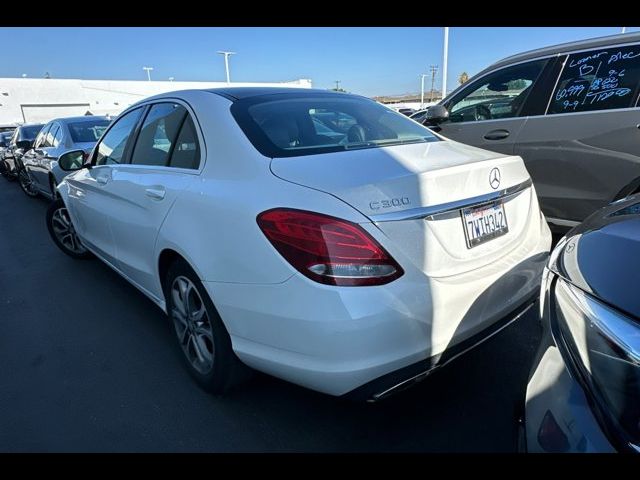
(368, 61)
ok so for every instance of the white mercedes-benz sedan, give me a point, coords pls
(316, 236)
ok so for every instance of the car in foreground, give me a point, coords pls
(570, 111)
(40, 172)
(21, 141)
(584, 391)
(352, 263)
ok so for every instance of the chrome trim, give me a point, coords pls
(614, 326)
(436, 210)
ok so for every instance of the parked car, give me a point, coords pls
(4, 142)
(7, 128)
(40, 172)
(21, 141)
(583, 393)
(570, 111)
(352, 263)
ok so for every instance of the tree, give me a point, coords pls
(463, 78)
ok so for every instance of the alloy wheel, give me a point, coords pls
(26, 183)
(192, 324)
(65, 232)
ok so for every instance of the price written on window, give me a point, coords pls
(597, 80)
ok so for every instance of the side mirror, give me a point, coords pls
(24, 144)
(71, 161)
(436, 114)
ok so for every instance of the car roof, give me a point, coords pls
(239, 93)
(590, 43)
(83, 118)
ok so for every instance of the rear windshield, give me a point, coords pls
(87, 131)
(287, 125)
(30, 132)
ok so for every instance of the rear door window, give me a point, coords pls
(51, 136)
(42, 137)
(186, 152)
(601, 79)
(57, 137)
(158, 134)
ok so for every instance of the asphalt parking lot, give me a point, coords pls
(87, 363)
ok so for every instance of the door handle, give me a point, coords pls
(497, 135)
(155, 193)
(102, 179)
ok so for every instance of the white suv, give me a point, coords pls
(316, 236)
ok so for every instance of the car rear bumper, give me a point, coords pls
(337, 339)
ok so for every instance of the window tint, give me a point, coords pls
(111, 148)
(307, 124)
(158, 134)
(42, 137)
(598, 80)
(57, 137)
(186, 153)
(498, 95)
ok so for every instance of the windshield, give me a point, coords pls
(292, 125)
(30, 132)
(87, 131)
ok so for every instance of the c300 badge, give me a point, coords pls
(389, 203)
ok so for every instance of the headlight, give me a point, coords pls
(605, 347)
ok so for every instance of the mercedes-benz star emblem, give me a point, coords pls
(494, 178)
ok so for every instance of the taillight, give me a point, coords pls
(327, 249)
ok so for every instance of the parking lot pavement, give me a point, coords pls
(87, 363)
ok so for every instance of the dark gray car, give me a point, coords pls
(21, 140)
(570, 111)
(584, 391)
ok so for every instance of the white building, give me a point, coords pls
(28, 100)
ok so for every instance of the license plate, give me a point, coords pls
(484, 223)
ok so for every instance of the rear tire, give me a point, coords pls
(26, 183)
(63, 232)
(202, 338)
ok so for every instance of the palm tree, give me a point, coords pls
(464, 77)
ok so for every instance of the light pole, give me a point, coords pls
(226, 62)
(422, 75)
(434, 70)
(148, 69)
(445, 59)
(338, 85)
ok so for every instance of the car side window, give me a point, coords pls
(158, 134)
(498, 95)
(42, 137)
(112, 146)
(602, 79)
(57, 137)
(186, 153)
(50, 141)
